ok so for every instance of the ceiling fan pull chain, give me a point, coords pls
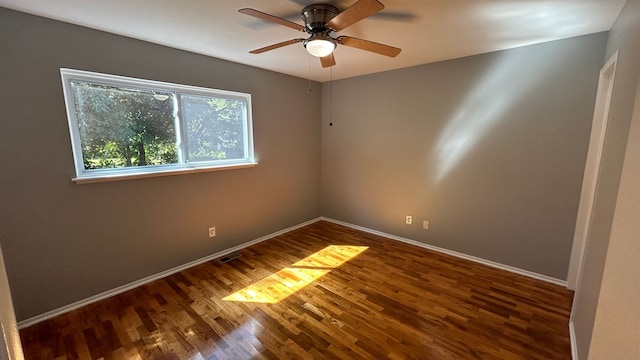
(331, 96)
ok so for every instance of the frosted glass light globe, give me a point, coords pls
(320, 47)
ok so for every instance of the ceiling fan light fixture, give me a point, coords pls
(320, 44)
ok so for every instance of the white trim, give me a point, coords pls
(10, 345)
(109, 293)
(120, 289)
(143, 175)
(591, 170)
(490, 263)
(572, 340)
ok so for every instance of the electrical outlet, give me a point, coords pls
(408, 220)
(212, 231)
(425, 224)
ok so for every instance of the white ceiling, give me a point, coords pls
(426, 30)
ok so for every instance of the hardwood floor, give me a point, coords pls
(320, 292)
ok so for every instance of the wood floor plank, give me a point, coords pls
(330, 292)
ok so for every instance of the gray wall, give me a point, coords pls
(490, 149)
(65, 242)
(625, 38)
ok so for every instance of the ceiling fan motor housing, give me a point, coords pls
(316, 17)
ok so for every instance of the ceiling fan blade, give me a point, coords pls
(355, 13)
(275, 19)
(328, 61)
(369, 46)
(275, 46)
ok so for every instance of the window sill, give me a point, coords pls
(142, 175)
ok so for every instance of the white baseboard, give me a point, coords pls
(572, 340)
(490, 263)
(120, 289)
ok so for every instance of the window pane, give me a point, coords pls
(214, 128)
(121, 127)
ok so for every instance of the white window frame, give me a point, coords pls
(96, 175)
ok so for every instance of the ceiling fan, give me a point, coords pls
(320, 21)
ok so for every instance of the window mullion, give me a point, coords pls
(181, 133)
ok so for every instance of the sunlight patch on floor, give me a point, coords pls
(287, 281)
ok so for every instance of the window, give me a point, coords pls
(124, 127)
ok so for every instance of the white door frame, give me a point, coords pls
(10, 346)
(592, 170)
